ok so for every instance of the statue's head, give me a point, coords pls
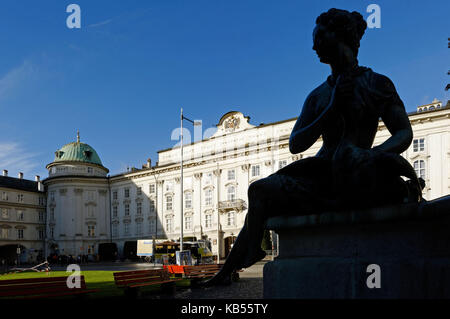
(336, 30)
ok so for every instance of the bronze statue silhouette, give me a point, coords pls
(347, 173)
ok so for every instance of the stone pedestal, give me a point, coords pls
(327, 255)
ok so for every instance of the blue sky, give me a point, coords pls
(122, 78)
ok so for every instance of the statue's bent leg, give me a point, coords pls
(247, 247)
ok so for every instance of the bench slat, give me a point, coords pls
(77, 292)
(40, 287)
(137, 279)
(34, 280)
(153, 283)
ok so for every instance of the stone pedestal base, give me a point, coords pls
(327, 255)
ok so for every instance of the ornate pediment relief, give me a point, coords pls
(232, 122)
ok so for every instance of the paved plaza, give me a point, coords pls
(249, 286)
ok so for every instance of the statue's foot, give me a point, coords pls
(252, 258)
(221, 278)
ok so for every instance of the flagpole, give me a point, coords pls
(181, 185)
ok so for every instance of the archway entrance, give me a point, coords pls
(229, 241)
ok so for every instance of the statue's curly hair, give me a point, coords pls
(348, 26)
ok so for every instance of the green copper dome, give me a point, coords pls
(77, 152)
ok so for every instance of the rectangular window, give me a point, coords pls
(188, 222)
(115, 230)
(208, 221)
(152, 206)
(231, 193)
(255, 170)
(4, 233)
(52, 213)
(127, 192)
(126, 229)
(41, 201)
(41, 216)
(127, 209)
(115, 211)
(4, 196)
(208, 197)
(52, 196)
(20, 234)
(41, 234)
(188, 200)
(52, 232)
(91, 231)
(151, 188)
(418, 144)
(419, 167)
(231, 218)
(115, 195)
(139, 228)
(231, 174)
(138, 191)
(282, 164)
(139, 208)
(169, 225)
(20, 215)
(151, 226)
(168, 202)
(20, 198)
(90, 170)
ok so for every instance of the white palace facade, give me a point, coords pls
(86, 207)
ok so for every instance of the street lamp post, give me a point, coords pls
(155, 207)
(195, 123)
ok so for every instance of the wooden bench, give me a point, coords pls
(44, 287)
(200, 272)
(132, 281)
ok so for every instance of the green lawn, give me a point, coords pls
(95, 279)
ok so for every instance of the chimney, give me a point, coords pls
(5, 172)
(37, 178)
(20, 175)
(149, 162)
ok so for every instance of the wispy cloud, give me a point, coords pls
(94, 25)
(15, 159)
(15, 77)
